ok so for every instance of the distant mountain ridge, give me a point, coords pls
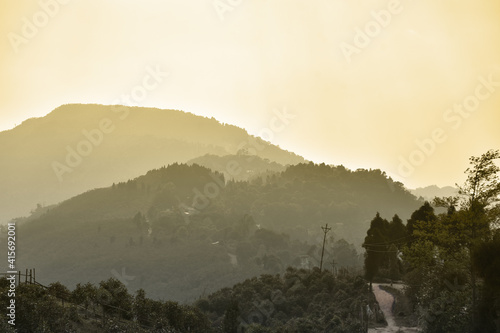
(245, 166)
(78, 147)
(432, 191)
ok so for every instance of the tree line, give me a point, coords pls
(449, 261)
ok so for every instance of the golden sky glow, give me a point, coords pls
(240, 61)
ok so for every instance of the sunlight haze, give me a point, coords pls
(367, 109)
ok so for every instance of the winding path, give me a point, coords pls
(385, 301)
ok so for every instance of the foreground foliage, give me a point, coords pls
(449, 261)
(299, 301)
(104, 308)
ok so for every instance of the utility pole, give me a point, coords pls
(325, 231)
(333, 267)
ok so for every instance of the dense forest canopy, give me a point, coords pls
(183, 229)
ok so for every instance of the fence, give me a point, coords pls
(29, 277)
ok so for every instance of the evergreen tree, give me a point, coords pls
(376, 247)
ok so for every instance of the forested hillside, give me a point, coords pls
(249, 166)
(79, 147)
(183, 231)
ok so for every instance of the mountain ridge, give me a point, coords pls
(183, 228)
(432, 191)
(77, 147)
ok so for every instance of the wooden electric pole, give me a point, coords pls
(325, 231)
(333, 266)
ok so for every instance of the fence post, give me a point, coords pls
(19, 279)
(362, 317)
(26, 276)
(34, 276)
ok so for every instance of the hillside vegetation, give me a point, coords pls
(449, 261)
(249, 166)
(298, 301)
(183, 231)
(79, 147)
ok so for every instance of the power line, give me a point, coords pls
(369, 250)
(395, 241)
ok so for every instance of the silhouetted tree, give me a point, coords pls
(376, 247)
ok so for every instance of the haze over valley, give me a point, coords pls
(229, 166)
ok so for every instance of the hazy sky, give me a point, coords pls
(365, 80)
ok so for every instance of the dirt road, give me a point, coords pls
(385, 301)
